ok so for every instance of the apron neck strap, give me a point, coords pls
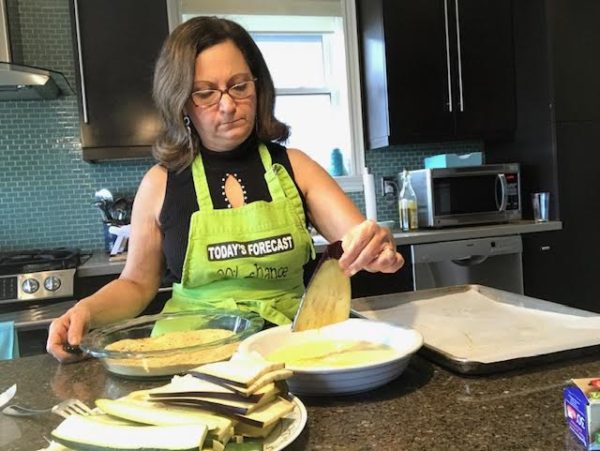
(271, 177)
(201, 184)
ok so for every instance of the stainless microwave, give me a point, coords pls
(468, 195)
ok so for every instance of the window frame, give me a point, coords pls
(353, 182)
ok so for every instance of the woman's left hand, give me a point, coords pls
(370, 247)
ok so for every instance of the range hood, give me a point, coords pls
(19, 82)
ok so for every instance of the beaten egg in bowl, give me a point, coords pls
(331, 360)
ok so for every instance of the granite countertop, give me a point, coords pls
(99, 264)
(426, 408)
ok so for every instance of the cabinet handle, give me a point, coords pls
(80, 54)
(460, 84)
(165, 289)
(545, 248)
(448, 56)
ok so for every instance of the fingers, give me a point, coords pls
(371, 247)
(359, 248)
(67, 329)
(77, 328)
(388, 261)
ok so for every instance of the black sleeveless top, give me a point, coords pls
(180, 196)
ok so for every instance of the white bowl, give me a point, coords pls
(340, 380)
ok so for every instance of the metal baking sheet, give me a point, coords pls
(473, 329)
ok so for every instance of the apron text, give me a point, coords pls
(257, 248)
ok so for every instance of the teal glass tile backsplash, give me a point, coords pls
(390, 161)
(47, 190)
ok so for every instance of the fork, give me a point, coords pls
(65, 408)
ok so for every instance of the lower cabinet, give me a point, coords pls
(32, 342)
(539, 265)
(559, 267)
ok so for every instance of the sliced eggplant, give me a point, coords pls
(328, 294)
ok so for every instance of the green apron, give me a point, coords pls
(248, 258)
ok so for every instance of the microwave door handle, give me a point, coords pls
(470, 261)
(503, 193)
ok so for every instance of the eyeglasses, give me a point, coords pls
(209, 97)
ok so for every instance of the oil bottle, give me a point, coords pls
(407, 205)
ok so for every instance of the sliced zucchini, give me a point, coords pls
(158, 414)
(246, 445)
(84, 434)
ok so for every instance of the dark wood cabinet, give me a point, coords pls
(437, 69)
(541, 253)
(575, 42)
(555, 141)
(116, 45)
(488, 107)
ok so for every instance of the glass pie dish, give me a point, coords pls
(165, 344)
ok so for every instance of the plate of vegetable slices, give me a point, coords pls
(286, 430)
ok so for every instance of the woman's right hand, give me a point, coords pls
(68, 330)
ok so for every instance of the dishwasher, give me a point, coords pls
(494, 262)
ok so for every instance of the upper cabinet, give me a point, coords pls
(575, 41)
(437, 69)
(117, 43)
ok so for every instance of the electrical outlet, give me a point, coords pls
(389, 186)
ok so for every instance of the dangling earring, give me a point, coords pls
(187, 122)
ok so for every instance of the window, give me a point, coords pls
(312, 53)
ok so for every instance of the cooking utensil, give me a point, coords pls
(102, 206)
(103, 194)
(8, 394)
(120, 210)
(103, 199)
(327, 296)
(64, 409)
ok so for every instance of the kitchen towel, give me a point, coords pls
(9, 343)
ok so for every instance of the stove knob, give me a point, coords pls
(52, 283)
(30, 286)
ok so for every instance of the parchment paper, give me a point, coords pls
(481, 324)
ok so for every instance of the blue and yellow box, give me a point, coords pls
(454, 160)
(582, 410)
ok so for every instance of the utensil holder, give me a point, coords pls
(109, 238)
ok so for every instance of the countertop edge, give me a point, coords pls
(465, 233)
(98, 264)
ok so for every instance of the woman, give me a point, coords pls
(226, 209)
